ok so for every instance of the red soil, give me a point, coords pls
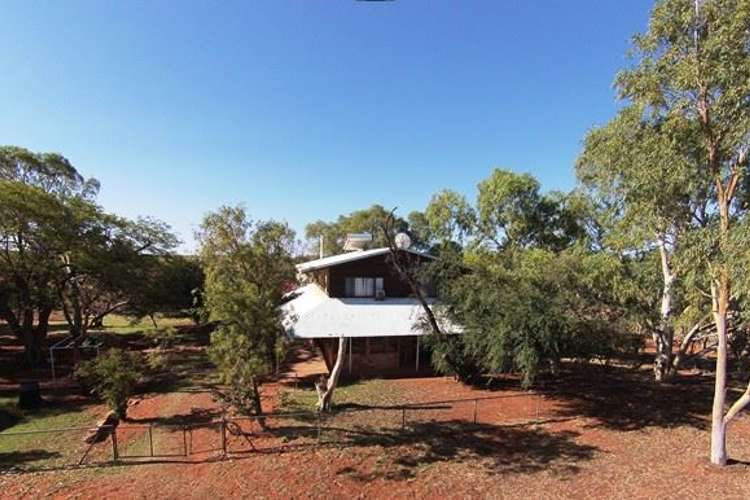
(601, 435)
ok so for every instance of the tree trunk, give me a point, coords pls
(664, 338)
(325, 387)
(257, 405)
(720, 296)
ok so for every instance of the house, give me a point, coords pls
(359, 296)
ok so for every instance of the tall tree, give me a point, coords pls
(37, 221)
(247, 266)
(110, 263)
(33, 225)
(450, 217)
(694, 63)
(512, 212)
(638, 171)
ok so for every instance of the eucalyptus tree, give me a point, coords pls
(247, 267)
(693, 65)
(511, 211)
(49, 172)
(450, 216)
(32, 227)
(36, 223)
(638, 171)
(109, 264)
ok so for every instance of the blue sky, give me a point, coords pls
(303, 110)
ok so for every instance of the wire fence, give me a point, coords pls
(228, 436)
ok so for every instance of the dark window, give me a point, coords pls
(362, 287)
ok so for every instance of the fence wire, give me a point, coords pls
(205, 440)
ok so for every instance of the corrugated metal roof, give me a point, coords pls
(343, 258)
(313, 314)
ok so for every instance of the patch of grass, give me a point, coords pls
(126, 324)
(44, 449)
(361, 393)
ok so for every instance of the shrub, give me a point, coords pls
(112, 377)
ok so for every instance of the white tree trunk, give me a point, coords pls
(718, 427)
(326, 386)
(664, 338)
(738, 406)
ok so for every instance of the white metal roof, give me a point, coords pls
(334, 260)
(313, 314)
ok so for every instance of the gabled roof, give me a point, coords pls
(343, 258)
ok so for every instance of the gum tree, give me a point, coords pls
(693, 64)
(638, 172)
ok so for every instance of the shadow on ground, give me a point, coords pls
(497, 449)
(627, 400)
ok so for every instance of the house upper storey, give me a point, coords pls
(360, 274)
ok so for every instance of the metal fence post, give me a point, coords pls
(319, 426)
(115, 453)
(184, 441)
(476, 403)
(151, 439)
(224, 436)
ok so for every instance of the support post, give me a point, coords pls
(184, 442)
(151, 439)
(52, 365)
(417, 354)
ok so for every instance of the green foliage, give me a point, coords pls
(450, 217)
(368, 221)
(520, 317)
(512, 212)
(167, 284)
(113, 377)
(247, 265)
(61, 251)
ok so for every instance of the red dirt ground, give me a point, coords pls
(604, 434)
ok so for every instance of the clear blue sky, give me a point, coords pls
(303, 110)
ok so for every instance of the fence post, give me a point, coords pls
(319, 426)
(403, 418)
(115, 454)
(476, 403)
(224, 436)
(150, 439)
(184, 441)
